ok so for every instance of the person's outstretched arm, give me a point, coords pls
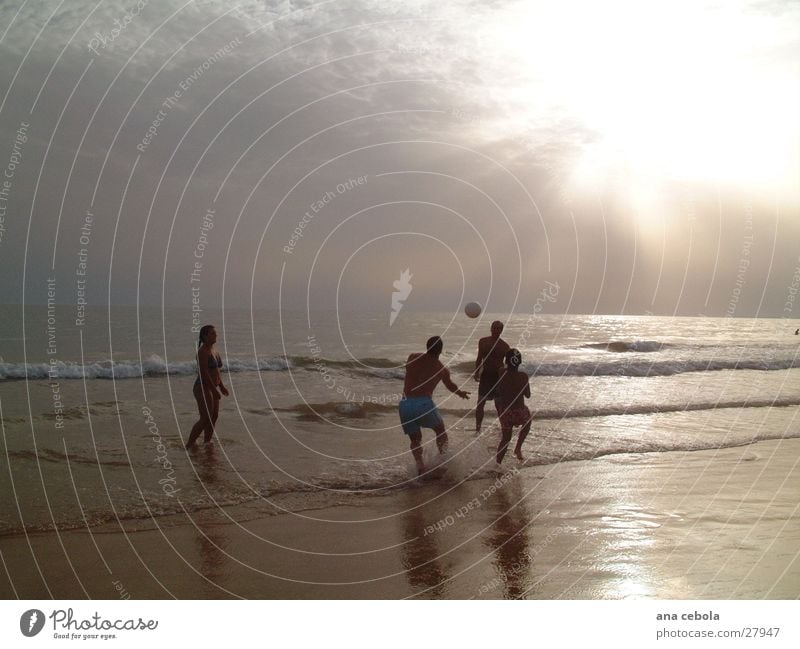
(448, 382)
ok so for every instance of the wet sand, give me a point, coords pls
(683, 525)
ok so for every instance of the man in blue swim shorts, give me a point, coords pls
(417, 410)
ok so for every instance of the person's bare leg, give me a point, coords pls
(209, 431)
(203, 425)
(205, 418)
(197, 429)
(479, 414)
(416, 451)
(441, 438)
(502, 447)
(523, 433)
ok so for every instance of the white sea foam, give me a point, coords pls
(153, 365)
(620, 365)
(646, 367)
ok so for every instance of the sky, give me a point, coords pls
(642, 157)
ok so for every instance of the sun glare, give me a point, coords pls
(675, 91)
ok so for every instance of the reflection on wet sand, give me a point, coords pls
(426, 573)
(509, 540)
(211, 539)
(206, 463)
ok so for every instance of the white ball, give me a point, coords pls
(473, 310)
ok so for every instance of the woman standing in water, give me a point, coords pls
(208, 386)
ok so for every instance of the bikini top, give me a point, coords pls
(214, 363)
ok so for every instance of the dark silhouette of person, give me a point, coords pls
(417, 409)
(207, 386)
(512, 388)
(491, 351)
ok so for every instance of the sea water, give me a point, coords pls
(94, 418)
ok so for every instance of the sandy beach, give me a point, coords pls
(713, 524)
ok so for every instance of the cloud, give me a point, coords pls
(482, 127)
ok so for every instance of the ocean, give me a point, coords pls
(94, 417)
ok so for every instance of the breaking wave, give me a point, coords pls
(371, 409)
(639, 358)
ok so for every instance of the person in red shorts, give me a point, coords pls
(512, 388)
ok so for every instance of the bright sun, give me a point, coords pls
(672, 90)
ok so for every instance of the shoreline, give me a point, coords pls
(712, 524)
